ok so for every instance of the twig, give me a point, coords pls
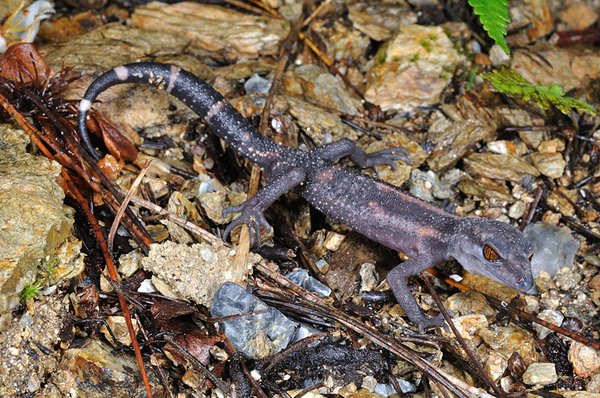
(470, 355)
(182, 222)
(529, 212)
(112, 272)
(124, 204)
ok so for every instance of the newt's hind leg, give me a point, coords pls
(253, 209)
(345, 147)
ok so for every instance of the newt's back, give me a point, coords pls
(375, 209)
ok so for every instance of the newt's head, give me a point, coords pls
(493, 249)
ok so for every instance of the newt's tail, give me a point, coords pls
(220, 116)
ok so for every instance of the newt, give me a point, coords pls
(377, 210)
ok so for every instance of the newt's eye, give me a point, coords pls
(490, 254)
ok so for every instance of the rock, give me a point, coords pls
(208, 27)
(129, 263)
(29, 348)
(578, 16)
(495, 365)
(517, 210)
(571, 66)
(413, 70)
(594, 385)
(36, 232)
(500, 167)
(468, 326)
(585, 360)
(579, 394)
(119, 329)
(323, 127)
(369, 278)
(88, 52)
(549, 164)
(563, 203)
(257, 84)
(507, 340)
(253, 328)
(540, 373)
(531, 19)
(94, 372)
(379, 20)
(195, 272)
(342, 43)
(470, 302)
(498, 56)
(551, 315)
(387, 390)
(321, 87)
(505, 147)
(554, 247)
(301, 278)
(333, 240)
(567, 279)
(490, 287)
(485, 188)
(428, 185)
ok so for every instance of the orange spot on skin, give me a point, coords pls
(376, 208)
(325, 176)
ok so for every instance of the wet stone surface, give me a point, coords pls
(254, 328)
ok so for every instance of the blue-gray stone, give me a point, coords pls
(259, 331)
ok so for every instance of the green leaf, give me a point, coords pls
(493, 15)
(509, 81)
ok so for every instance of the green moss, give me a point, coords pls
(426, 44)
(31, 291)
(381, 57)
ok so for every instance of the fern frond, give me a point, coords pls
(493, 15)
(509, 81)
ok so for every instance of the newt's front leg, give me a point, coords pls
(397, 280)
(253, 209)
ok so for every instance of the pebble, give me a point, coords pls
(549, 164)
(301, 278)
(540, 373)
(553, 316)
(585, 360)
(369, 278)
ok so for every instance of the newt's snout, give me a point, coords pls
(525, 283)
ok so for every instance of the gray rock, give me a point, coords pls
(554, 247)
(413, 69)
(553, 316)
(257, 84)
(301, 278)
(253, 328)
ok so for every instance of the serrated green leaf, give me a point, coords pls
(509, 81)
(493, 15)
